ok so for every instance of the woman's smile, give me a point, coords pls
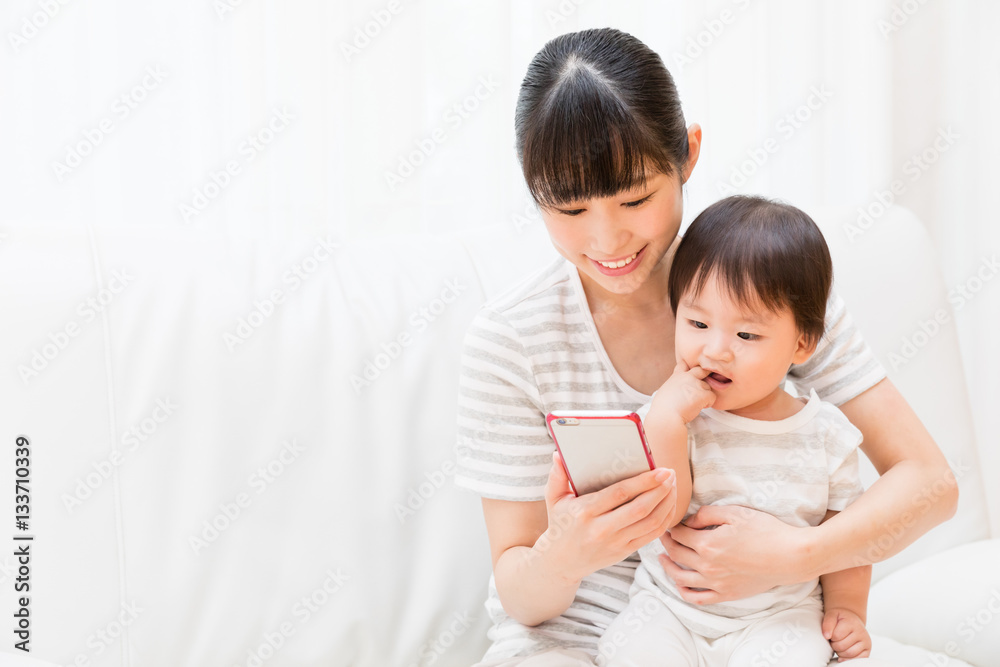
(619, 267)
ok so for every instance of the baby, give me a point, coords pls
(748, 285)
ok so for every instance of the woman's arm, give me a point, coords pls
(542, 550)
(916, 489)
(751, 552)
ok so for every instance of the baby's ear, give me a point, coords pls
(804, 348)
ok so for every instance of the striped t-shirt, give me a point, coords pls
(794, 469)
(535, 349)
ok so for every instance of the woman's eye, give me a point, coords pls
(633, 204)
(747, 336)
(698, 325)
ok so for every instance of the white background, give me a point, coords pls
(897, 74)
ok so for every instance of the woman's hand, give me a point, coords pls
(602, 528)
(746, 553)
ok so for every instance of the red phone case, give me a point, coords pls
(584, 415)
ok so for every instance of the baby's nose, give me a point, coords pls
(718, 349)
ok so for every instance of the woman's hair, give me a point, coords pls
(765, 253)
(597, 112)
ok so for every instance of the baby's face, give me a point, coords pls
(748, 352)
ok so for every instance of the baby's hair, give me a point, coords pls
(596, 114)
(765, 253)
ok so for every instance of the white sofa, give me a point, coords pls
(241, 451)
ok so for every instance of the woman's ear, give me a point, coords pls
(804, 348)
(694, 150)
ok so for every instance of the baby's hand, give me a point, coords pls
(847, 634)
(685, 392)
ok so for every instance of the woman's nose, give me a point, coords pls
(609, 235)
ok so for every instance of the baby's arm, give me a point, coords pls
(677, 402)
(845, 609)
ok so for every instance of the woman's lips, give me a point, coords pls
(631, 263)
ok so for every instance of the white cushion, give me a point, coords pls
(948, 602)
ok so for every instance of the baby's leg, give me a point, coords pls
(789, 638)
(646, 634)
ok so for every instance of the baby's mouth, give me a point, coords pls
(722, 379)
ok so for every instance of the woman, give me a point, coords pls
(605, 151)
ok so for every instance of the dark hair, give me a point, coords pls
(597, 110)
(766, 253)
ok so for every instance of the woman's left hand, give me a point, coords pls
(746, 553)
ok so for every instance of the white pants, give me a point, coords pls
(563, 657)
(791, 638)
(556, 657)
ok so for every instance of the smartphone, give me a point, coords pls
(599, 447)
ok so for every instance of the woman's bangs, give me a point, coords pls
(586, 146)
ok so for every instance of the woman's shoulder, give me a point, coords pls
(541, 291)
(538, 312)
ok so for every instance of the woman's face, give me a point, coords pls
(617, 242)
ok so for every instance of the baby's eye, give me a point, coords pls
(698, 325)
(571, 212)
(747, 336)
